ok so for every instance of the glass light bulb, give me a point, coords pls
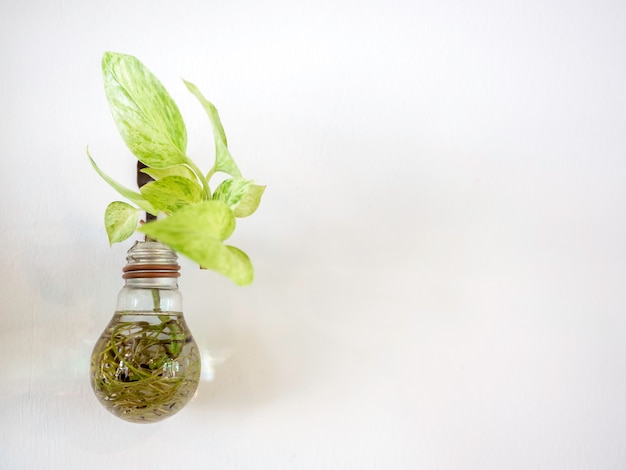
(146, 365)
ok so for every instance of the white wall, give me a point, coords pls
(440, 256)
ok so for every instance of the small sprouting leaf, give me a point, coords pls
(197, 231)
(170, 193)
(231, 191)
(146, 116)
(120, 221)
(223, 159)
(250, 201)
(178, 170)
(123, 190)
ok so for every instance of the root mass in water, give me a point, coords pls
(145, 367)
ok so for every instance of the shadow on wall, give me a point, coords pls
(240, 376)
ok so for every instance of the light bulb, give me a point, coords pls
(146, 365)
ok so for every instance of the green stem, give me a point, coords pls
(198, 173)
(210, 174)
(156, 301)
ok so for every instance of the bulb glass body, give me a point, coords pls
(146, 365)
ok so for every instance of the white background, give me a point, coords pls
(440, 256)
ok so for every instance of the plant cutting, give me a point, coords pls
(197, 220)
(146, 366)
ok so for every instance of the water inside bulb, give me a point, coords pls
(145, 366)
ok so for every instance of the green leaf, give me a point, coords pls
(120, 220)
(231, 191)
(207, 218)
(171, 193)
(223, 159)
(178, 170)
(240, 195)
(250, 201)
(197, 232)
(123, 190)
(146, 116)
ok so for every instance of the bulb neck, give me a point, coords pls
(152, 283)
(150, 260)
(151, 276)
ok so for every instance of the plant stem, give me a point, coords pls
(156, 301)
(198, 172)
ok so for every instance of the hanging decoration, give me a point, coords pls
(146, 365)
